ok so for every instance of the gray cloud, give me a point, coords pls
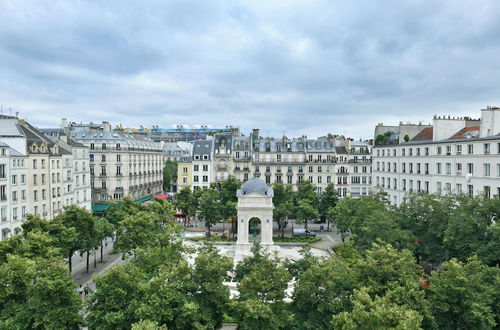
(299, 67)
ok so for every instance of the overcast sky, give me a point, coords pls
(299, 67)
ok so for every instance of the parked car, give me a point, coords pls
(301, 232)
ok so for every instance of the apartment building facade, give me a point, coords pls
(329, 159)
(202, 163)
(453, 155)
(32, 179)
(120, 164)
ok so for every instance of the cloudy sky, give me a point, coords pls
(299, 67)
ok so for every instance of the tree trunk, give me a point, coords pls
(95, 259)
(70, 262)
(305, 221)
(101, 251)
(327, 225)
(87, 262)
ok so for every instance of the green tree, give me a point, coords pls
(209, 208)
(465, 295)
(368, 220)
(185, 201)
(104, 229)
(84, 224)
(118, 210)
(283, 204)
(136, 231)
(426, 217)
(281, 213)
(38, 294)
(62, 238)
(305, 212)
(253, 314)
(262, 285)
(307, 192)
(228, 190)
(119, 293)
(321, 291)
(210, 292)
(328, 200)
(169, 174)
(147, 325)
(378, 313)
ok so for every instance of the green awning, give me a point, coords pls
(104, 207)
(99, 207)
(143, 199)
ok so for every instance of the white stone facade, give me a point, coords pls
(466, 161)
(36, 168)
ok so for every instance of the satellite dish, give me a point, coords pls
(468, 177)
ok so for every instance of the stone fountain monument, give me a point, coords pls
(255, 200)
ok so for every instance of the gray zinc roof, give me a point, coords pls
(203, 147)
(255, 185)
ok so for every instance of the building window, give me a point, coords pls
(470, 149)
(459, 188)
(470, 190)
(459, 150)
(486, 148)
(196, 178)
(487, 170)
(184, 170)
(205, 178)
(470, 168)
(438, 169)
(205, 168)
(487, 192)
(196, 168)
(439, 150)
(448, 150)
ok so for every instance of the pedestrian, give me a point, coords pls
(80, 290)
(86, 291)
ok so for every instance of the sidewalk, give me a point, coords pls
(79, 273)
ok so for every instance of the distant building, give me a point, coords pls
(185, 173)
(121, 164)
(202, 164)
(453, 155)
(329, 159)
(38, 174)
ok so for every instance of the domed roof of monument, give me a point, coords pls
(256, 185)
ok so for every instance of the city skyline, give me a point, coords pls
(299, 68)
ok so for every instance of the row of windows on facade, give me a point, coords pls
(56, 192)
(319, 169)
(386, 183)
(310, 158)
(117, 146)
(386, 167)
(316, 180)
(119, 171)
(56, 208)
(440, 150)
(145, 158)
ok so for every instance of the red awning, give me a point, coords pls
(162, 196)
